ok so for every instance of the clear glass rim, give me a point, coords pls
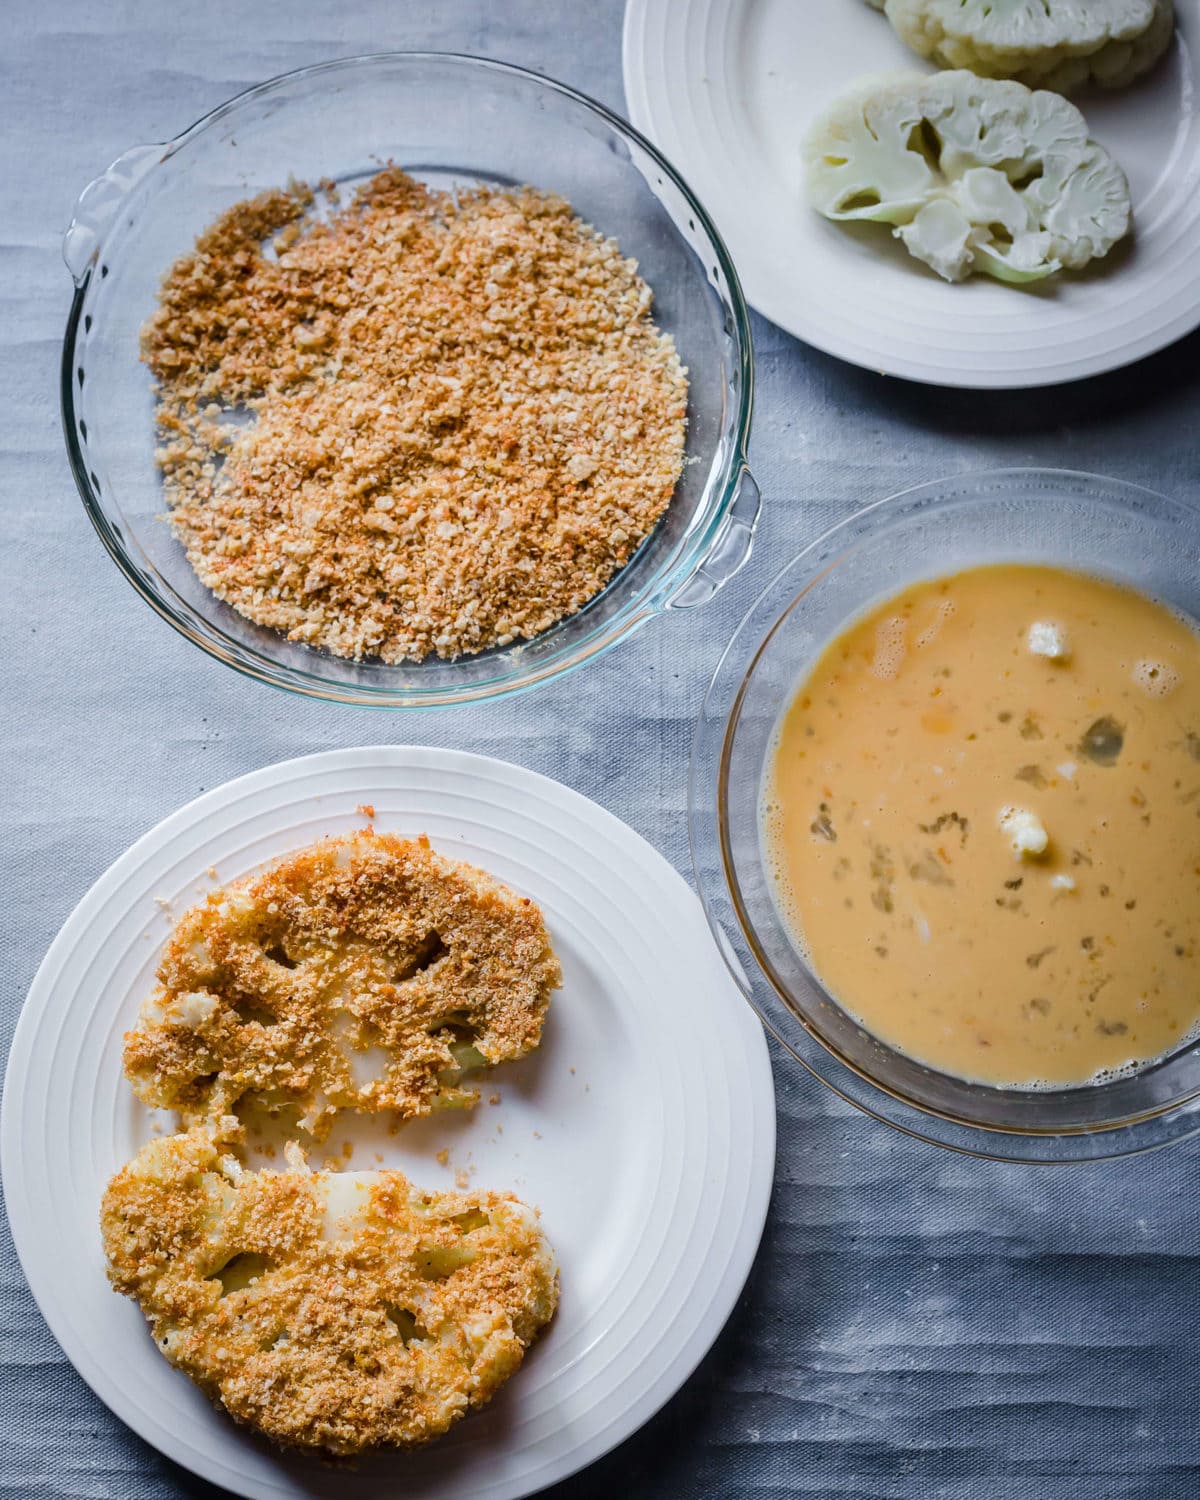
(687, 557)
(732, 926)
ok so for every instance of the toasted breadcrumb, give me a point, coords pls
(334, 1312)
(366, 973)
(430, 423)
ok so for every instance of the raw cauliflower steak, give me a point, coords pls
(338, 1311)
(364, 973)
(1053, 44)
(976, 174)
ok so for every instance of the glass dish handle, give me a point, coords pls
(729, 552)
(98, 205)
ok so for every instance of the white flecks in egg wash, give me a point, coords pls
(944, 610)
(1156, 678)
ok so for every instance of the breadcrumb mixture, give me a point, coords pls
(335, 1311)
(425, 424)
(366, 973)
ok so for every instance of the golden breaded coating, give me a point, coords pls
(340, 1311)
(364, 973)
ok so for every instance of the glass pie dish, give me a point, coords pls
(1079, 521)
(449, 120)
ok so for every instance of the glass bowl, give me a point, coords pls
(1081, 521)
(448, 120)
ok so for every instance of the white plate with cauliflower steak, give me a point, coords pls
(406, 422)
(929, 266)
(641, 1126)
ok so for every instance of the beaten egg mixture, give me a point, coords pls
(983, 811)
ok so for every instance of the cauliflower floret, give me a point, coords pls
(1056, 44)
(1024, 831)
(976, 174)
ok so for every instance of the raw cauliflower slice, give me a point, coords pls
(1054, 44)
(365, 973)
(976, 174)
(329, 1310)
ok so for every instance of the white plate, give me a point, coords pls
(727, 88)
(643, 1126)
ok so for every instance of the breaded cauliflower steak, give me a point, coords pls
(340, 1311)
(1047, 44)
(364, 973)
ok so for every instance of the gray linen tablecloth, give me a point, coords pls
(917, 1325)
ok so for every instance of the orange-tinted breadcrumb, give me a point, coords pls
(426, 424)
